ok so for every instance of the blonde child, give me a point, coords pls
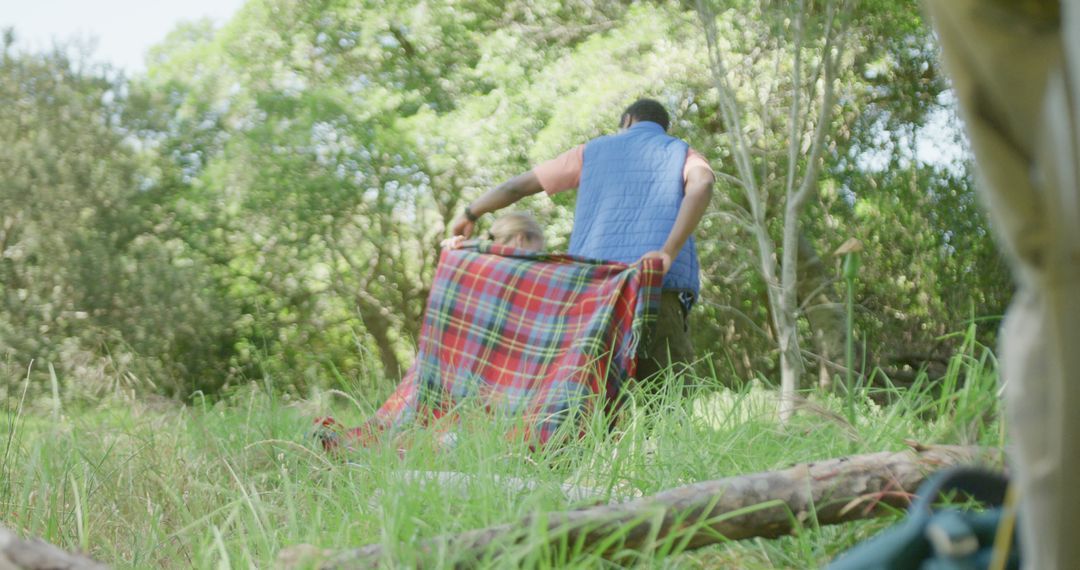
(515, 229)
(519, 230)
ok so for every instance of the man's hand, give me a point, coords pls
(663, 256)
(699, 183)
(452, 242)
(461, 226)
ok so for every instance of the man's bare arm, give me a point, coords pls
(699, 188)
(503, 195)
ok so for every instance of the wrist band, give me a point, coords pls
(469, 215)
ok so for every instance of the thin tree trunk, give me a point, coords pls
(791, 369)
(781, 275)
(378, 327)
(764, 504)
(798, 197)
(791, 364)
(826, 317)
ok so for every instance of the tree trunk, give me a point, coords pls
(36, 554)
(791, 367)
(791, 362)
(465, 484)
(780, 276)
(379, 328)
(763, 504)
(825, 316)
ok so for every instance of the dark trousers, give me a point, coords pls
(666, 344)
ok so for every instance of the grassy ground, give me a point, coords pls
(232, 483)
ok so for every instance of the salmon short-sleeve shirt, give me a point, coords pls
(564, 171)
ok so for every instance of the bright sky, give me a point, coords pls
(123, 29)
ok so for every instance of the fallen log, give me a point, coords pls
(36, 554)
(766, 504)
(463, 484)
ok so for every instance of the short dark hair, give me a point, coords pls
(647, 110)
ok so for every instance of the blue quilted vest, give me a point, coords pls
(630, 192)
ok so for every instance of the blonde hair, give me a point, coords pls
(519, 230)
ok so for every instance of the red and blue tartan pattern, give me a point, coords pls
(523, 333)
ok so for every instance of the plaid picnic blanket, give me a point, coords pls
(540, 335)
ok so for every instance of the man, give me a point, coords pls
(641, 193)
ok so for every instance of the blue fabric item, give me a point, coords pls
(630, 193)
(941, 539)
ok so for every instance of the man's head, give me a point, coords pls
(645, 110)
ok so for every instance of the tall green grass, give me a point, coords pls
(231, 483)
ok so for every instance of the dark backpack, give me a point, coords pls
(947, 539)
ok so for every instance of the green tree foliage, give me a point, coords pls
(267, 200)
(326, 145)
(890, 101)
(89, 280)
